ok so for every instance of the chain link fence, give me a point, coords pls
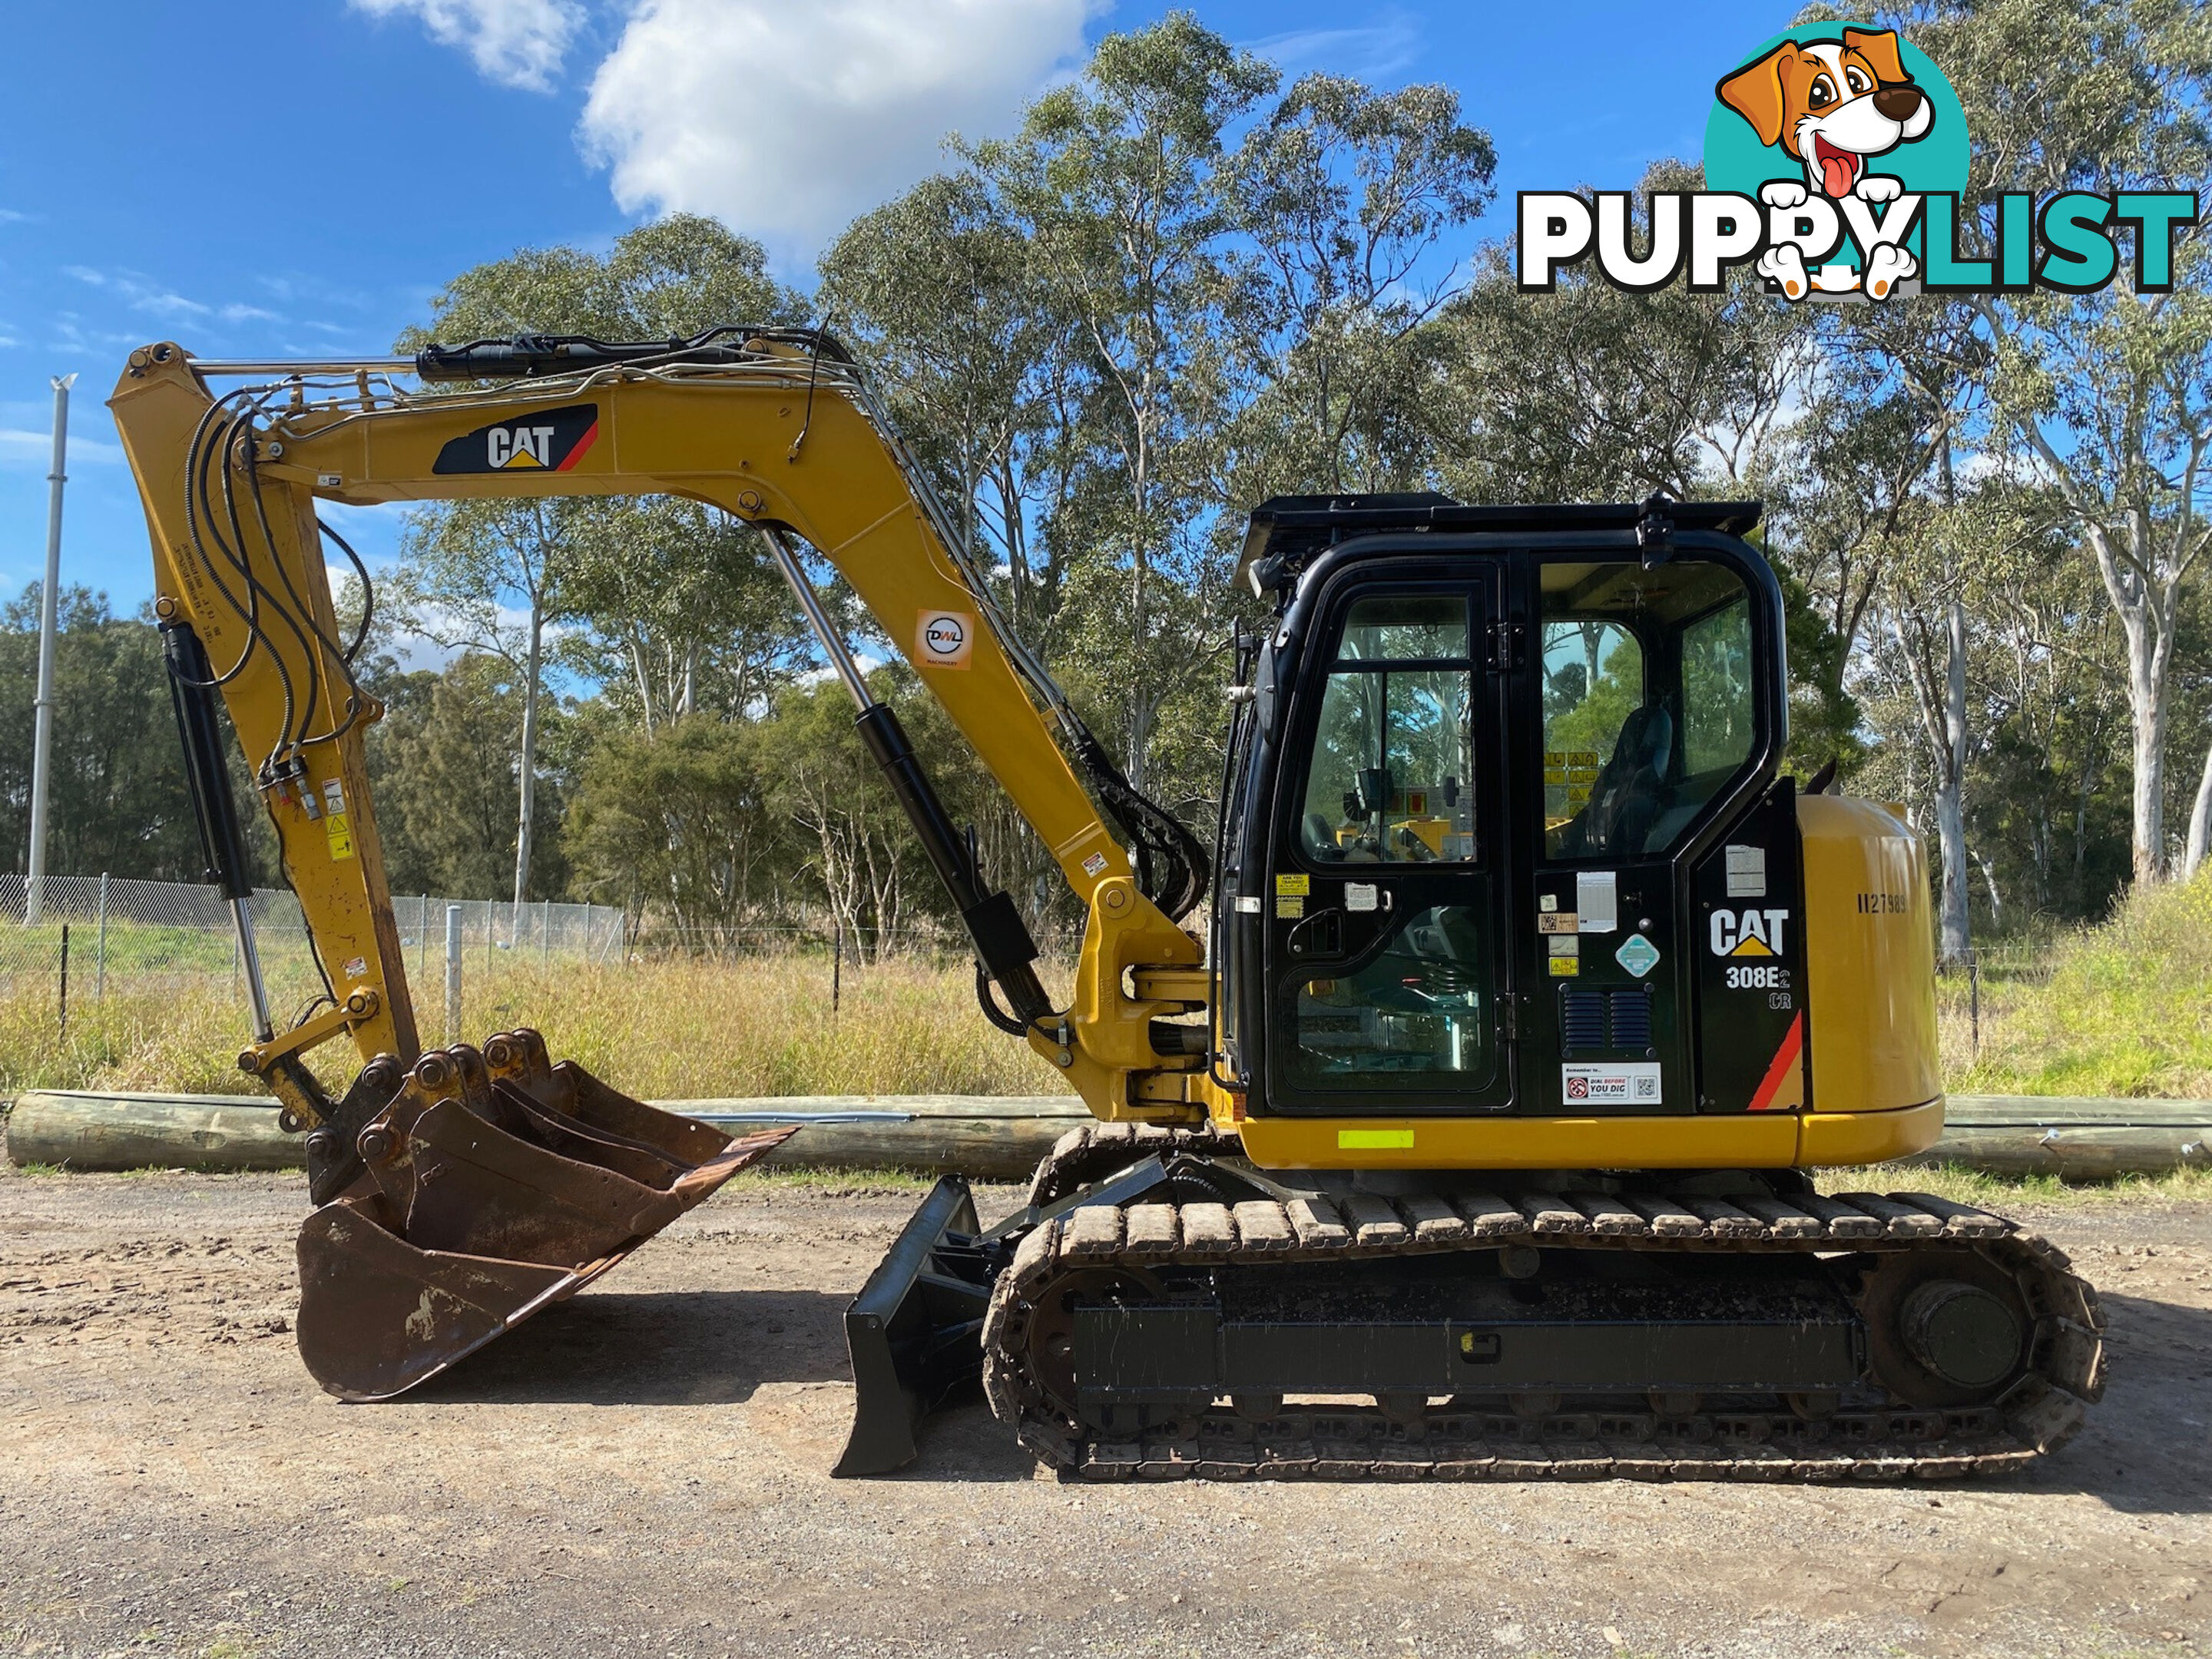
(88, 936)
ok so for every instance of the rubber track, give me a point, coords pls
(2064, 1374)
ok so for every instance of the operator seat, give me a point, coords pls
(1632, 789)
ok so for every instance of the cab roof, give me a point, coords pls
(1289, 531)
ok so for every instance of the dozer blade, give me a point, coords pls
(915, 1330)
(495, 1185)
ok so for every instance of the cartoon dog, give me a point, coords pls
(1830, 105)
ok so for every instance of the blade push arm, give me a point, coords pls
(778, 435)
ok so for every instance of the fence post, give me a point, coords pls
(452, 974)
(546, 935)
(99, 949)
(65, 979)
(836, 964)
(1974, 997)
(422, 936)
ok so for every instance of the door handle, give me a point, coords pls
(1320, 934)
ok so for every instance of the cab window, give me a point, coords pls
(1391, 777)
(1647, 698)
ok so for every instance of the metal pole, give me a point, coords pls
(65, 979)
(422, 938)
(99, 950)
(42, 742)
(452, 974)
(833, 646)
(545, 937)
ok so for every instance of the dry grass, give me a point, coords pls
(2125, 1009)
(675, 1030)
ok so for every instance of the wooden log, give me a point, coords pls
(984, 1136)
(1001, 1139)
(75, 1130)
(2100, 1151)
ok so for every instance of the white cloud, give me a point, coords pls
(1369, 53)
(23, 447)
(785, 120)
(138, 292)
(518, 42)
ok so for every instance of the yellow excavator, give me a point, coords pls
(1469, 1140)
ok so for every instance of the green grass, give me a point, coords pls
(1989, 1191)
(2122, 1009)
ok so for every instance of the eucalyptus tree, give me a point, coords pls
(1344, 201)
(1111, 183)
(497, 575)
(1594, 393)
(2111, 393)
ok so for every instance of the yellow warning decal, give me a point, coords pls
(1300, 885)
(341, 834)
(1374, 1140)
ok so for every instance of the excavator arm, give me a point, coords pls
(777, 428)
(460, 1190)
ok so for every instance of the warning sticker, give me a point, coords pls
(1620, 1082)
(341, 835)
(1566, 966)
(1747, 871)
(1565, 944)
(1298, 884)
(1289, 909)
(1095, 864)
(1558, 922)
(1361, 895)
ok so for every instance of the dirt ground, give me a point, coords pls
(646, 1471)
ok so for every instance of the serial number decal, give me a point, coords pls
(1764, 976)
(1882, 904)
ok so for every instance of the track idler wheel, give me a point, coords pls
(1945, 1328)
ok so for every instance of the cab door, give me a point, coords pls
(1388, 979)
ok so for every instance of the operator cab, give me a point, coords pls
(1497, 772)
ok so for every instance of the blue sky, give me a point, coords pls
(297, 177)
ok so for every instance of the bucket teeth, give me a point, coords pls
(496, 1182)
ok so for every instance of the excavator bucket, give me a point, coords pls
(495, 1184)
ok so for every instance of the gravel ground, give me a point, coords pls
(645, 1471)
